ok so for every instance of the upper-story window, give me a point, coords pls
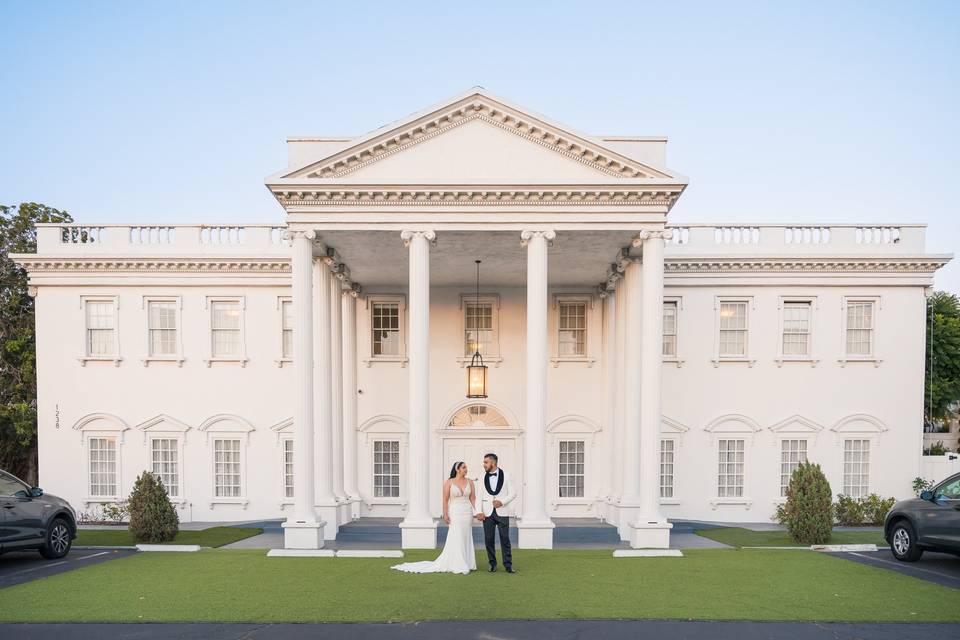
(733, 329)
(226, 325)
(286, 329)
(478, 327)
(860, 326)
(796, 328)
(572, 328)
(101, 328)
(385, 324)
(670, 328)
(162, 327)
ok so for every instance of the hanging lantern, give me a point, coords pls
(477, 371)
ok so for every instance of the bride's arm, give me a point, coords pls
(446, 496)
(473, 496)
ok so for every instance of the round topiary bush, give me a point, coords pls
(808, 512)
(152, 518)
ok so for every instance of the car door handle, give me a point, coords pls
(8, 505)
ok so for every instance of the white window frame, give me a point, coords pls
(582, 442)
(240, 358)
(282, 359)
(284, 498)
(493, 299)
(382, 298)
(590, 330)
(782, 357)
(864, 438)
(743, 472)
(117, 442)
(227, 427)
(672, 498)
(176, 357)
(85, 355)
(241, 471)
(785, 480)
(719, 301)
(875, 333)
(676, 358)
(373, 466)
(178, 441)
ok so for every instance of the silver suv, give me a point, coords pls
(928, 523)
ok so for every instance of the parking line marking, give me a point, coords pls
(897, 564)
(43, 566)
(102, 553)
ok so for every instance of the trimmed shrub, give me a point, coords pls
(152, 517)
(875, 509)
(808, 512)
(848, 511)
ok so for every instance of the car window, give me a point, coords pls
(9, 486)
(950, 491)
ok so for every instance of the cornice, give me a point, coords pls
(921, 264)
(479, 197)
(152, 265)
(550, 137)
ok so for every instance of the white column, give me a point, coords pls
(651, 529)
(303, 530)
(610, 392)
(620, 337)
(535, 527)
(336, 390)
(326, 501)
(418, 529)
(348, 304)
(632, 290)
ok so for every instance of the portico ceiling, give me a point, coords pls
(577, 258)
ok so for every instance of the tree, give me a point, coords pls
(18, 380)
(942, 384)
(152, 518)
(808, 511)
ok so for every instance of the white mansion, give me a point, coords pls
(315, 369)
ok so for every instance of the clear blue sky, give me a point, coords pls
(840, 111)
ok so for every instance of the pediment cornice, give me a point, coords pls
(81, 264)
(814, 265)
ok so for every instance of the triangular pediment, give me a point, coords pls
(796, 424)
(163, 422)
(472, 139)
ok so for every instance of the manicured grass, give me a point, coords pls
(247, 586)
(737, 537)
(212, 537)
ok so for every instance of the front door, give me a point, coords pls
(472, 450)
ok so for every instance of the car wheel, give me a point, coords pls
(58, 540)
(903, 542)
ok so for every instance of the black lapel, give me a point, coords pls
(499, 481)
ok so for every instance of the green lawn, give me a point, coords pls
(737, 537)
(246, 586)
(212, 537)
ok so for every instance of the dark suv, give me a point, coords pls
(31, 520)
(928, 523)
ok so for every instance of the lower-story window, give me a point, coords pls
(226, 468)
(288, 468)
(103, 467)
(165, 463)
(730, 471)
(856, 468)
(666, 468)
(792, 453)
(571, 468)
(386, 468)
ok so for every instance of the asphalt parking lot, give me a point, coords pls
(941, 568)
(18, 567)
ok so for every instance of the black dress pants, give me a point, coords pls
(491, 525)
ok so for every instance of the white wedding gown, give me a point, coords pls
(458, 555)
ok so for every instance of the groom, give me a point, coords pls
(496, 494)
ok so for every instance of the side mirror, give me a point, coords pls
(36, 492)
(926, 495)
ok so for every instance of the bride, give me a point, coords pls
(459, 507)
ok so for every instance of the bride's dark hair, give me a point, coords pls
(453, 470)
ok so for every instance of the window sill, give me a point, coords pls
(241, 360)
(85, 359)
(669, 501)
(796, 360)
(241, 501)
(673, 360)
(89, 500)
(733, 360)
(282, 361)
(178, 360)
(742, 502)
(393, 502)
(401, 360)
(843, 361)
(463, 361)
(587, 360)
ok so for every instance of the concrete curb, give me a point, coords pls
(369, 553)
(300, 553)
(648, 553)
(174, 548)
(842, 548)
(86, 547)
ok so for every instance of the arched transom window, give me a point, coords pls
(478, 416)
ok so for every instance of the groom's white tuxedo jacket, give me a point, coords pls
(506, 496)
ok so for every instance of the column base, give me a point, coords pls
(650, 535)
(344, 511)
(329, 512)
(418, 534)
(355, 507)
(303, 534)
(535, 534)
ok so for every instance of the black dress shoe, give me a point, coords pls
(510, 570)
(493, 568)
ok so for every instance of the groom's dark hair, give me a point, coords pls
(493, 457)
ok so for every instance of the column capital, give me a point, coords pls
(408, 235)
(291, 234)
(352, 290)
(660, 234)
(529, 234)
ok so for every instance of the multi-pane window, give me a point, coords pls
(856, 468)
(226, 468)
(103, 467)
(792, 453)
(571, 468)
(730, 470)
(860, 328)
(796, 328)
(286, 328)
(225, 327)
(572, 328)
(101, 327)
(386, 329)
(386, 468)
(670, 329)
(162, 326)
(478, 328)
(666, 468)
(288, 468)
(165, 462)
(733, 329)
